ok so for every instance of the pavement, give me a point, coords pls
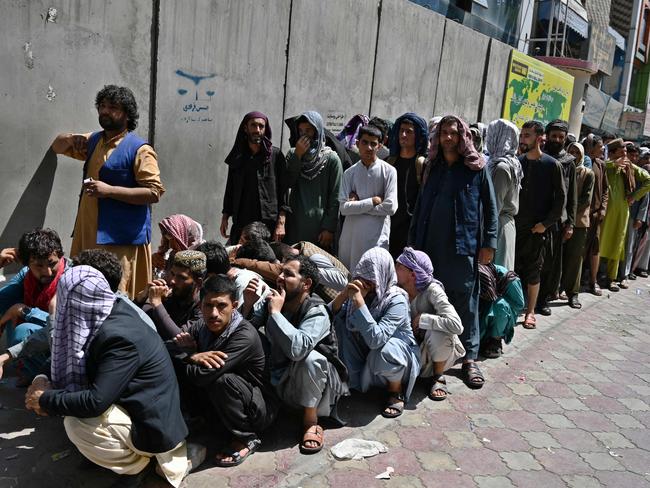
(568, 405)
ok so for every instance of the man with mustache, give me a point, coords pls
(121, 180)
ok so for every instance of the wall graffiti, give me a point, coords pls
(196, 100)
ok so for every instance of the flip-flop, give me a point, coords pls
(439, 384)
(313, 433)
(252, 446)
(529, 321)
(398, 405)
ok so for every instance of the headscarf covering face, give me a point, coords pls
(501, 143)
(421, 134)
(241, 140)
(579, 160)
(420, 264)
(187, 232)
(376, 265)
(84, 300)
(477, 137)
(348, 136)
(314, 160)
(471, 157)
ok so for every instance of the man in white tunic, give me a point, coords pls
(368, 197)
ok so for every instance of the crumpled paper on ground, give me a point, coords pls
(357, 449)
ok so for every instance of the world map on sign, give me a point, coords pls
(536, 91)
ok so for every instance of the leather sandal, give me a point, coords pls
(529, 321)
(594, 289)
(439, 384)
(252, 446)
(574, 303)
(395, 401)
(473, 376)
(313, 433)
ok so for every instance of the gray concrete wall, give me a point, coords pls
(235, 50)
(495, 83)
(52, 67)
(460, 78)
(408, 58)
(331, 57)
(215, 60)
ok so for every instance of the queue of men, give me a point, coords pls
(342, 272)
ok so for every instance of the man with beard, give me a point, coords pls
(562, 231)
(121, 180)
(314, 176)
(541, 201)
(256, 185)
(306, 371)
(461, 235)
(595, 149)
(26, 299)
(408, 143)
(178, 303)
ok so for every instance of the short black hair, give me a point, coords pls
(536, 126)
(256, 249)
(39, 244)
(107, 263)
(256, 230)
(281, 250)
(382, 125)
(631, 147)
(370, 130)
(307, 269)
(219, 284)
(216, 256)
(123, 96)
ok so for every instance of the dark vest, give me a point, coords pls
(120, 223)
(328, 346)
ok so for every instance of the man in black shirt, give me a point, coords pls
(220, 365)
(256, 188)
(541, 200)
(408, 145)
(562, 231)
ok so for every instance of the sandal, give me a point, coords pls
(530, 322)
(313, 433)
(623, 284)
(613, 286)
(439, 384)
(594, 289)
(472, 375)
(574, 302)
(397, 405)
(252, 446)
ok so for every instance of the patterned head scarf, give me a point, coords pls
(376, 265)
(501, 142)
(471, 157)
(348, 136)
(421, 134)
(420, 264)
(241, 140)
(187, 232)
(314, 160)
(195, 261)
(83, 302)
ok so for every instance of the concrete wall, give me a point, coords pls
(495, 83)
(51, 71)
(331, 57)
(216, 62)
(462, 66)
(408, 59)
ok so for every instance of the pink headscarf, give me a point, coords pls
(186, 231)
(472, 158)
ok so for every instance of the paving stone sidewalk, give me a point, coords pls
(567, 406)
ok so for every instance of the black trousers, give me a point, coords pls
(552, 267)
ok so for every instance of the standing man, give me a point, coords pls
(121, 180)
(255, 188)
(541, 201)
(314, 177)
(595, 149)
(408, 143)
(368, 198)
(457, 236)
(556, 134)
